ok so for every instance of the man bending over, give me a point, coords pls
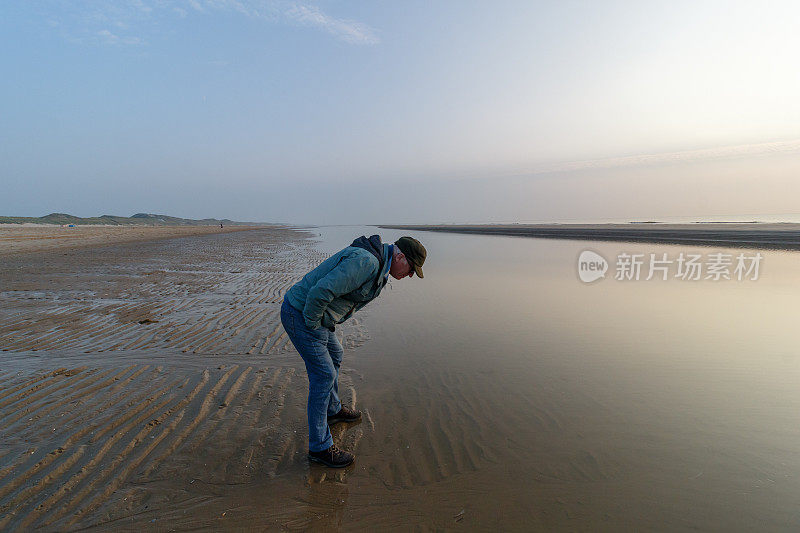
(329, 295)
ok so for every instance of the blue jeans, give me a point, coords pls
(322, 354)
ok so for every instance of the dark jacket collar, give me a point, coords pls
(373, 245)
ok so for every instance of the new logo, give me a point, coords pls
(591, 266)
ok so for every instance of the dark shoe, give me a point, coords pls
(333, 457)
(345, 414)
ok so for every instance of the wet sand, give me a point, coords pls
(755, 235)
(141, 379)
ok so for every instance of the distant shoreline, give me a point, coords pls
(729, 234)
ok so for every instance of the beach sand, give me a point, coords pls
(145, 375)
(24, 238)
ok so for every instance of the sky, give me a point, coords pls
(335, 112)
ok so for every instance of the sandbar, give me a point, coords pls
(738, 235)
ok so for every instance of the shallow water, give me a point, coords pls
(504, 387)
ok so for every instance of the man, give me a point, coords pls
(329, 295)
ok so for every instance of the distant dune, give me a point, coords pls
(139, 219)
(734, 234)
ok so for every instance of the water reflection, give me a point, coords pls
(501, 379)
(321, 474)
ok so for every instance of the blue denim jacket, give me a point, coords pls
(339, 286)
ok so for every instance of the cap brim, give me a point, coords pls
(418, 271)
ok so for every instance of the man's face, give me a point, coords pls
(401, 267)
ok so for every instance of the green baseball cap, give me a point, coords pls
(414, 252)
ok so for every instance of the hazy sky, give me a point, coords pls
(365, 112)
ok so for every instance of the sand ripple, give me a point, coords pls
(216, 295)
(84, 443)
(186, 377)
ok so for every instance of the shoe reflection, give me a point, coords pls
(318, 474)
